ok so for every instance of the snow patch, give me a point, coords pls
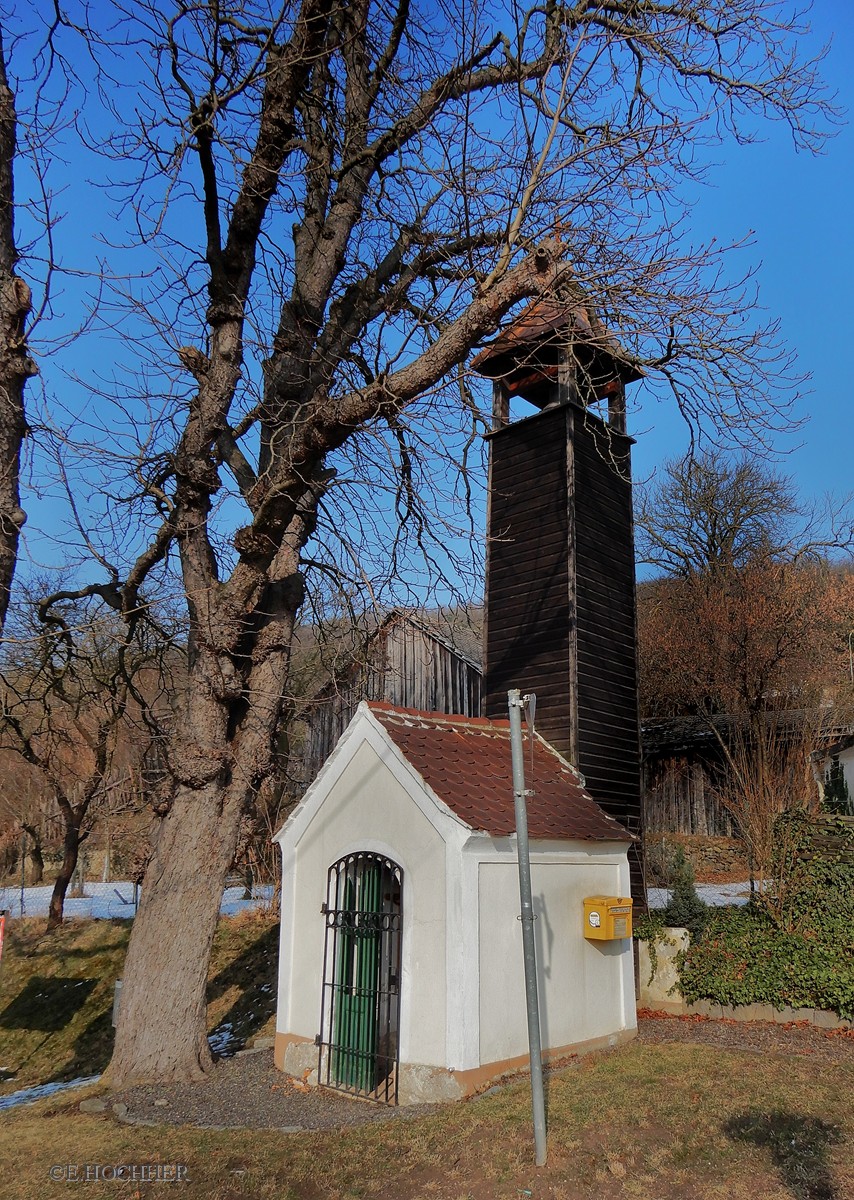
(222, 1041)
(109, 901)
(31, 1094)
(718, 895)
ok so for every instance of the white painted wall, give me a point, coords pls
(586, 989)
(366, 808)
(462, 983)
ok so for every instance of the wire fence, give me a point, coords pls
(119, 899)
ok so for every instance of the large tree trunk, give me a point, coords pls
(16, 366)
(175, 924)
(221, 754)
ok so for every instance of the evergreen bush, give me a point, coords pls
(837, 795)
(684, 909)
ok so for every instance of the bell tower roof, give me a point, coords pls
(526, 356)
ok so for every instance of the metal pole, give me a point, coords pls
(516, 704)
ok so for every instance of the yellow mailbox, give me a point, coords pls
(607, 917)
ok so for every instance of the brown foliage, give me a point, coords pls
(768, 636)
(770, 772)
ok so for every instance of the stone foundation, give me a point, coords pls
(420, 1083)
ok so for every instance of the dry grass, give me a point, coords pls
(56, 996)
(646, 1122)
(56, 993)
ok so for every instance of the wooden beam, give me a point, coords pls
(617, 408)
(567, 375)
(500, 405)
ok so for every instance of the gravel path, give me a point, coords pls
(249, 1092)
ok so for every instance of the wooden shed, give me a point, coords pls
(410, 659)
(400, 968)
(684, 766)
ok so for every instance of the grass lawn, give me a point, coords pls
(56, 993)
(674, 1122)
(655, 1122)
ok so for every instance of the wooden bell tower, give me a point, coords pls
(560, 585)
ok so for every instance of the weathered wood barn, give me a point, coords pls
(685, 764)
(410, 660)
(683, 767)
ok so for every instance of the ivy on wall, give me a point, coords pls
(796, 948)
(743, 958)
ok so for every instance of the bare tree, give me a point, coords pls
(713, 514)
(66, 694)
(16, 365)
(26, 807)
(746, 617)
(344, 202)
(771, 771)
(743, 642)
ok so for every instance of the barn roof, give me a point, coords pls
(466, 762)
(665, 736)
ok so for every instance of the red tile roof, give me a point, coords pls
(466, 762)
(543, 321)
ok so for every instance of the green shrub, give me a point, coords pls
(684, 908)
(797, 946)
(813, 887)
(744, 958)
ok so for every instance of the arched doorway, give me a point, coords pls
(360, 1007)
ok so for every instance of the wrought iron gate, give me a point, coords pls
(360, 1007)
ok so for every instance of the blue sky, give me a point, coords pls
(801, 210)
(797, 206)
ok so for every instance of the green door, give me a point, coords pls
(356, 1025)
(363, 923)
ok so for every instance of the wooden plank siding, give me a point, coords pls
(679, 796)
(405, 663)
(560, 617)
(609, 755)
(528, 616)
